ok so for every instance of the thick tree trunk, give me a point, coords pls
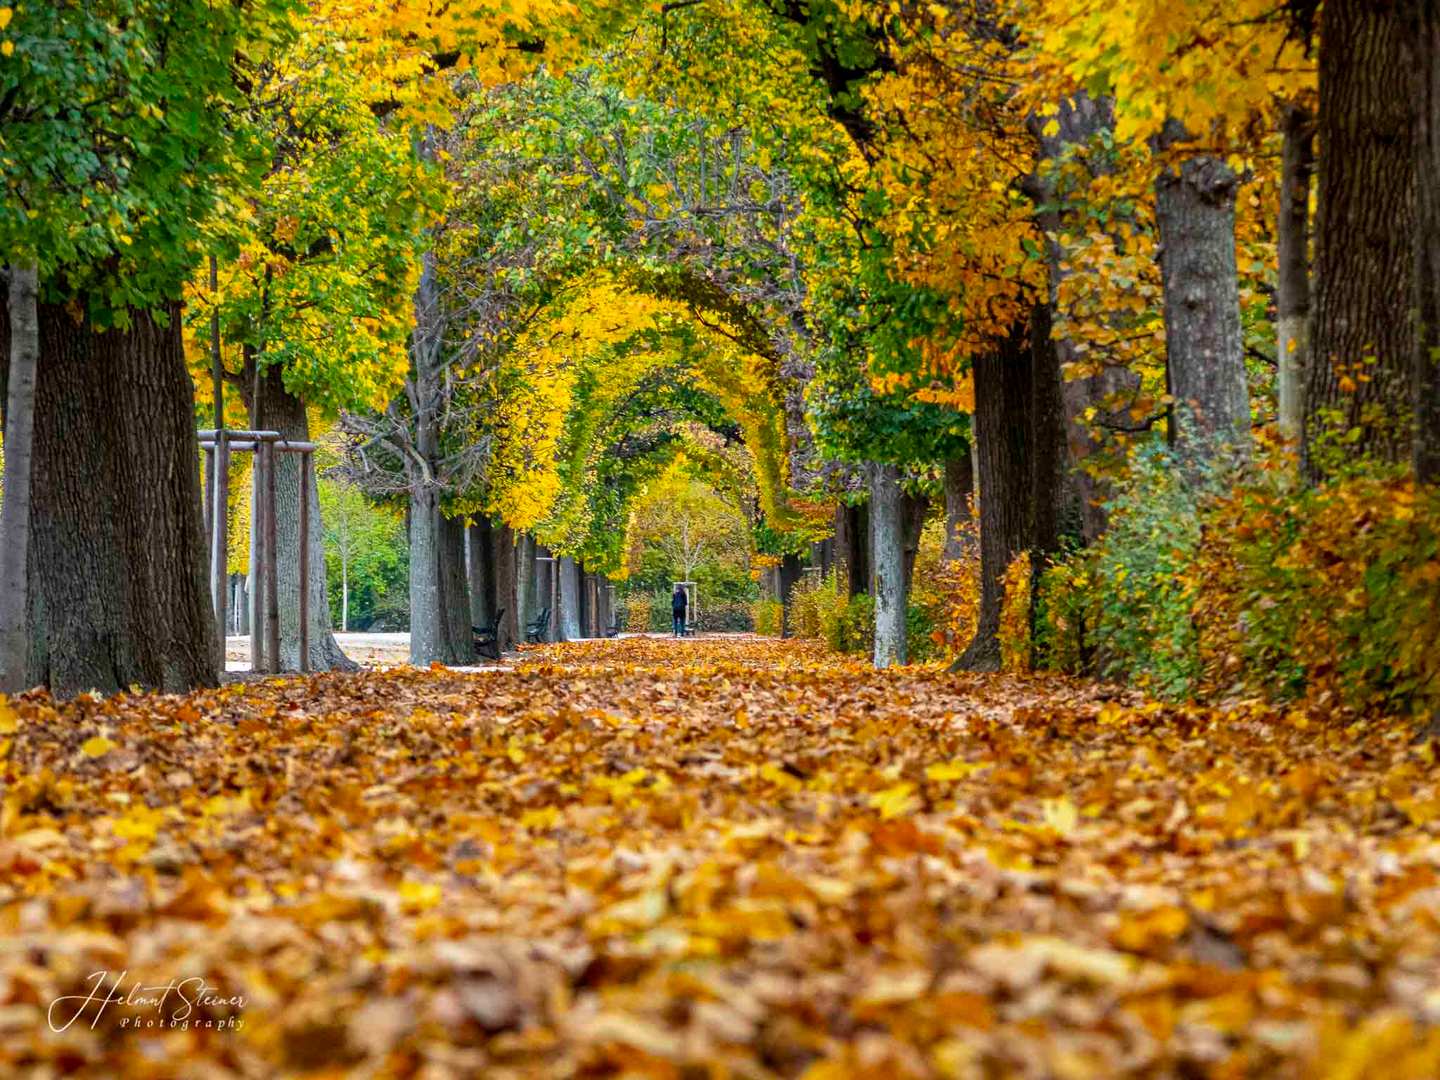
(959, 496)
(1424, 37)
(283, 412)
(852, 548)
(507, 598)
(1093, 395)
(545, 587)
(788, 572)
(1004, 386)
(24, 320)
(456, 643)
(888, 537)
(1362, 330)
(118, 587)
(427, 634)
(1292, 293)
(480, 553)
(568, 619)
(528, 601)
(1204, 348)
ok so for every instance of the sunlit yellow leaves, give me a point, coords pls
(895, 801)
(96, 746)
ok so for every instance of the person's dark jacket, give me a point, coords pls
(678, 603)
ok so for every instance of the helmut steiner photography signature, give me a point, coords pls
(176, 1005)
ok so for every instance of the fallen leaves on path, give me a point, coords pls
(714, 858)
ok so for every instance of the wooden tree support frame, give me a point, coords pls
(265, 593)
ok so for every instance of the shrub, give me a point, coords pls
(948, 593)
(729, 617)
(637, 612)
(1014, 634)
(768, 617)
(1259, 587)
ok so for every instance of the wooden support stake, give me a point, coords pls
(207, 508)
(220, 540)
(257, 562)
(305, 560)
(272, 574)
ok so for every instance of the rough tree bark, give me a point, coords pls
(1424, 38)
(852, 547)
(1004, 387)
(545, 588)
(1365, 223)
(568, 618)
(283, 412)
(1292, 293)
(118, 586)
(888, 538)
(1204, 347)
(24, 320)
(456, 643)
(426, 632)
(959, 494)
(1101, 398)
(788, 573)
(507, 597)
(480, 553)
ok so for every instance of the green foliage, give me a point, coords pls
(119, 129)
(366, 548)
(1257, 587)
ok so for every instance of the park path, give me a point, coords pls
(713, 858)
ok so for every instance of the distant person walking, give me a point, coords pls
(678, 603)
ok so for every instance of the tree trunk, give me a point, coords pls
(587, 604)
(507, 598)
(345, 596)
(959, 495)
(242, 604)
(568, 619)
(427, 633)
(480, 552)
(1003, 394)
(545, 581)
(851, 544)
(1292, 294)
(787, 576)
(24, 320)
(1204, 349)
(1424, 37)
(1362, 331)
(888, 537)
(527, 581)
(118, 587)
(913, 509)
(456, 643)
(1102, 395)
(283, 412)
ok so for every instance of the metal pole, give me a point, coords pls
(257, 561)
(220, 535)
(272, 574)
(305, 560)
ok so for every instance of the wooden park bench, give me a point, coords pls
(487, 638)
(535, 629)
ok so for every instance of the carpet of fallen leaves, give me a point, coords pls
(719, 858)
